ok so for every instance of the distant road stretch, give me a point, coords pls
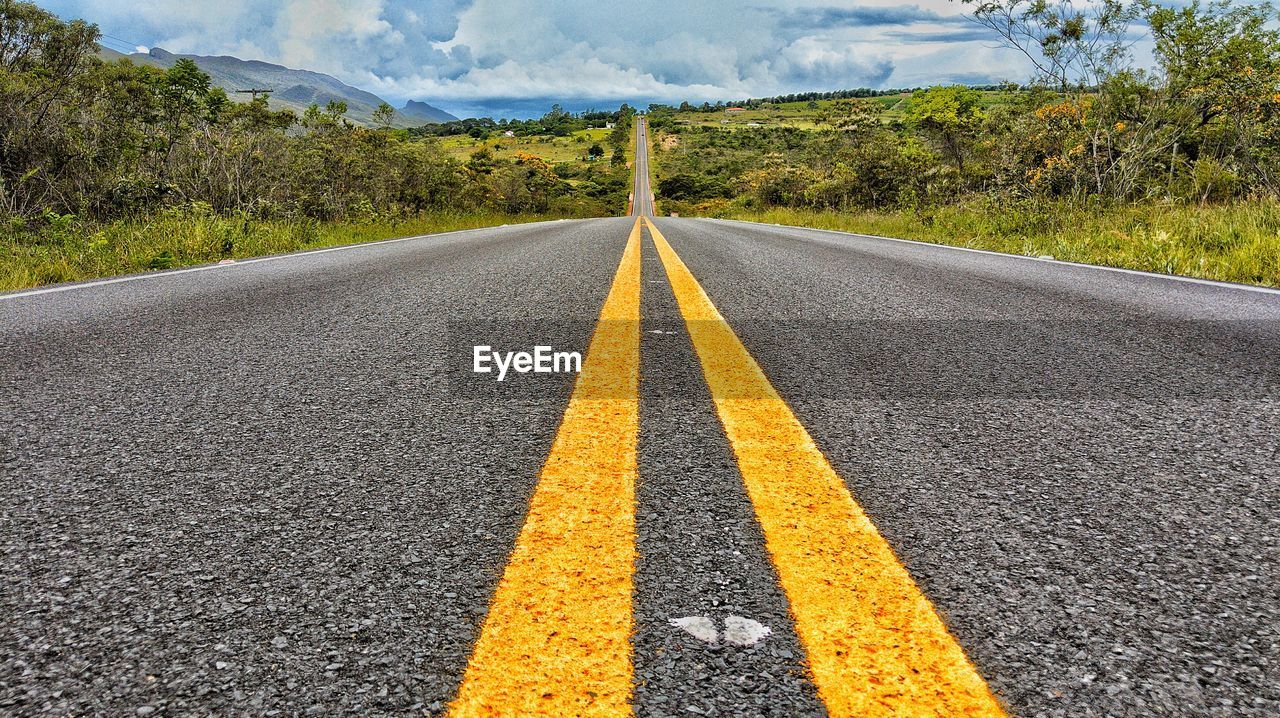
(642, 193)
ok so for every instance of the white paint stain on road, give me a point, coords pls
(738, 630)
(700, 627)
(744, 632)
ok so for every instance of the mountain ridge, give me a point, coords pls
(292, 88)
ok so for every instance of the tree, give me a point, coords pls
(257, 115)
(1069, 48)
(1221, 84)
(332, 117)
(950, 116)
(595, 152)
(41, 61)
(384, 116)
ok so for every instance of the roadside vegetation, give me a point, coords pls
(1172, 169)
(109, 167)
(590, 152)
(71, 251)
(1229, 242)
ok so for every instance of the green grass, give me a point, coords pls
(68, 251)
(1232, 243)
(555, 150)
(801, 115)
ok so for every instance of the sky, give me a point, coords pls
(515, 57)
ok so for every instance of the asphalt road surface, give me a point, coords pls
(278, 487)
(641, 192)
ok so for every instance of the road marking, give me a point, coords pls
(1009, 255)
(875, 644)
(742, 631)
(700, 627)
(557, 639)
(738, 630)
(56, 289)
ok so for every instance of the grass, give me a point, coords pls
(68, 251)
(555, 150)
(1232, 243)
(804, 116)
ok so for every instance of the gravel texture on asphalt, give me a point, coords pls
(701, 550)
(1097, 552)
(261, 489)
(250, 490)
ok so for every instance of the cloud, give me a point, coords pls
(941, 35)
(309, 27)
(512, 53)
(811, 62)
(814, 18)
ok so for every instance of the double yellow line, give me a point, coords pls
(557, 639)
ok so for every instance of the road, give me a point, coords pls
(943, 480)
(641, 192)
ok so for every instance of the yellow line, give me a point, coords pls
(557, 639)
(875, 644)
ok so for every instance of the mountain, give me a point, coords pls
(293, 89)
(422, 113)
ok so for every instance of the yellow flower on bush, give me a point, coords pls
(1120, 126)
(1063, 113)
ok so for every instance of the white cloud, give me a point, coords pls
(818, 62)
(306, 26)
(469, 51)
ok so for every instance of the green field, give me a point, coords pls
(808, 115)
(554, 150)
(804, 115)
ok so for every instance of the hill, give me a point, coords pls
(423, 114)
(294, 89)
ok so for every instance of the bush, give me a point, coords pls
(113, 140)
